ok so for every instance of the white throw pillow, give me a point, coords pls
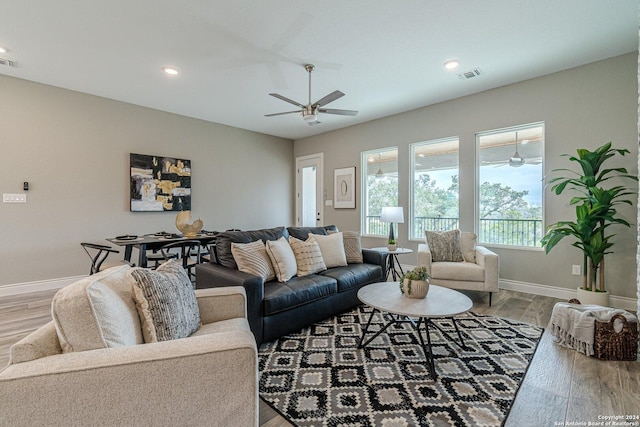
(252, 258)
(468, 242)
(332, 249)
(308, 256)
(282, 258)
(97, 312)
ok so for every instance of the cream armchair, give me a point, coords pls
(207, 379)
(478, 271)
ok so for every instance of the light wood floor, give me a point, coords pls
(561, 385)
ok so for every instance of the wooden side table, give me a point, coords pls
(393, 265)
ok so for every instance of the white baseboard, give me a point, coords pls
(41, 285)
(625, 303)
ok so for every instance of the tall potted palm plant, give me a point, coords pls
(596, 212)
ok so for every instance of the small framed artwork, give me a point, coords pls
(344, 188)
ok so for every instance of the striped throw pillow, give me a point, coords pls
(252, 258)
(308, 256)
(166, 302)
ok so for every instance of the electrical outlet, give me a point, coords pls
(575, 270)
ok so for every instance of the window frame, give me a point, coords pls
(412, 168)
(516, 128)
(364, 166)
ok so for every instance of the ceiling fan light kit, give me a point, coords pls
(310, 111)
(516, 160)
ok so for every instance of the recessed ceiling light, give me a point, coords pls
(451, 65)
(3, 49)
(172, 71)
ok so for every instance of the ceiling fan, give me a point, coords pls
(310, 111)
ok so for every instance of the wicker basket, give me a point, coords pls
(612, 345)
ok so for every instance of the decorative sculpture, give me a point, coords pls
(182, 224)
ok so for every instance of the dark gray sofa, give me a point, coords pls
(276, 309)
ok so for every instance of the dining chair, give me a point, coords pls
(189, 253)
(98, 254)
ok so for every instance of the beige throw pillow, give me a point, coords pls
(282, 258)
(252, 258)
(468, 242)
(166, 302)
(332, 249)
(445, 246)
(308, 256)
(353, 247)
(97, 312)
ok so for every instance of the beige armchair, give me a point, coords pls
(207, 379)
(478, 271)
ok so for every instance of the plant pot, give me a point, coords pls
(392, 248)
(597, 298)
(418, 288)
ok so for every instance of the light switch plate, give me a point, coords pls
(14, 198)
(328, 202)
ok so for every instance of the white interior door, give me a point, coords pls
(309, 190)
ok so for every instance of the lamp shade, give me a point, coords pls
(392, 214)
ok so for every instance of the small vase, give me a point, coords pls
(392, 248)
(419, 288)
(597, 298)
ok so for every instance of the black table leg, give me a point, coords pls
(428, 351)
(366, 329)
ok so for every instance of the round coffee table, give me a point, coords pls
(440, 302)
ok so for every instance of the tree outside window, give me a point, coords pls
(380, 176)
(510, 191)
(435, 186)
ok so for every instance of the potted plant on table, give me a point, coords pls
(415, 283)
(595, 207)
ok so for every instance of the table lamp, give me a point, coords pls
(392, 214)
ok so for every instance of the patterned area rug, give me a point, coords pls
(318, 377)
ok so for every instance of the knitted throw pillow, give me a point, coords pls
(166, 302)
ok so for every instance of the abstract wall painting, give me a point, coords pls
(160, 183)
(344, 183)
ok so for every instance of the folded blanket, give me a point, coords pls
(573, 325)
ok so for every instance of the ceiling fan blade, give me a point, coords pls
(329, 98)
(314, 123)
(285, 99)
(280, 114)
(338, 112)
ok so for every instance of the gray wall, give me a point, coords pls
(582, 107)
(74, 150)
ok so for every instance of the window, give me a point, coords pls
(510, 186)
(379, 188)
(434, 193)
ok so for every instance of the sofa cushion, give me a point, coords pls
(353, 275)
(468, 243)
(303, 232)
(166, 302)
(224, 240)
(282, 259)
(97, 312)
(462, 271)
(308, 256)
(332, 249)
(297, 291)
(444, 246)
(252, 258)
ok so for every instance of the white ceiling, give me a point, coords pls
(387, 56)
